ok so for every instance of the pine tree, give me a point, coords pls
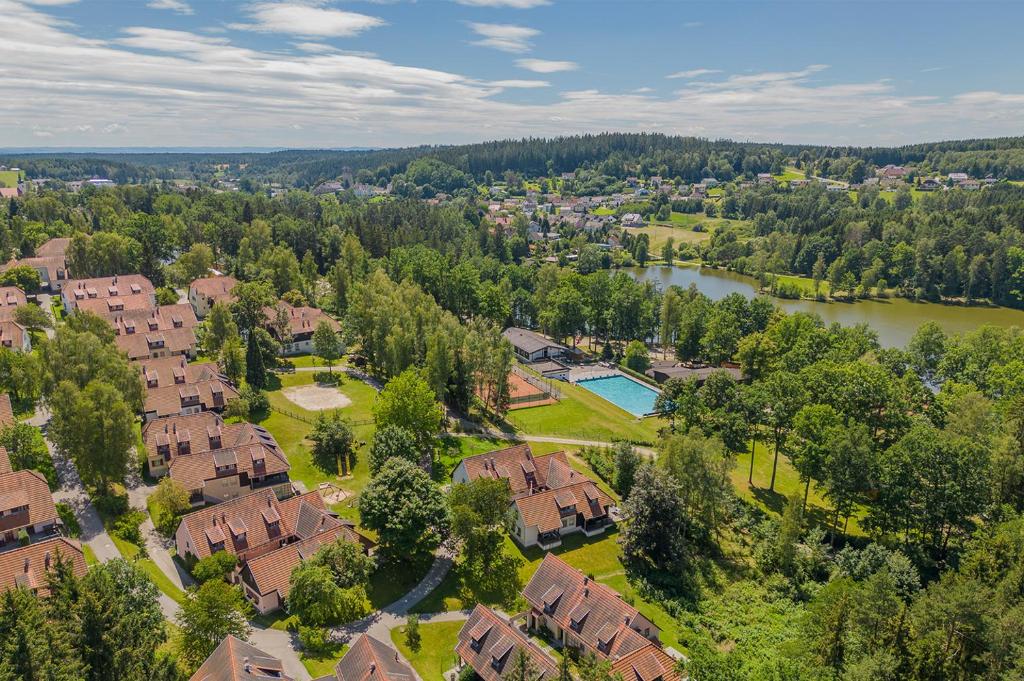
(255, 370)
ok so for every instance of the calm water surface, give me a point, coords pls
(895, 319)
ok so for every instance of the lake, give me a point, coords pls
(895, 319)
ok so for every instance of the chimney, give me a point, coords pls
(586, 592)
(215, 520)
(586, 580)
(26, 565)
(245, 665)
(46, 560)
(373, 668)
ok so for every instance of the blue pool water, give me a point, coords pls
(633, 396)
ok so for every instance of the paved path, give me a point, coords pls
(380, 623)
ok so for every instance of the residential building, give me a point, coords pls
(236, 660)
(543, 518)
(633, 220)
(929, 185)
(530, 346)
(266, 580)
(517, 465)
(220, 475)
(299, 324)
(163, 331)
(27, 566)
(49, 261)
(11, 298)
(891, 170)
(25, 505)
(590, 617)
(958, 177)
(203, 293)
(252, 525)
(122, 292)
(371, 660)
(173, 386)
(489, 644)
(15, 336)
(56, 247)
(6, 411)
(765, 178)
(172, 436)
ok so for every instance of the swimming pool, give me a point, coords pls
(624, 392)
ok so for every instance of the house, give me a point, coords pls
(371, 660)
(299, 324)
(488, 643)
(27, 566)
(171, 436)
(591, 617)
(11, 297)
(929, 185)
(266, 579)
(163, 331)
(52, 269)
(958, 177)
(53, 248)
(530, 346)
(219, 475)
(662, 371)
(15, 336)
(892, 171)
(329, 187)
(25, 504)
(765, 178)
(127, 291)
(633, 220)
(173, 386)
(9, 192)
(203, 293)
(517, 465)
(236, 660)
(543, 518)
(6, 412)
(252, 525)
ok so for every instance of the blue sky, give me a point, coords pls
(332, 73)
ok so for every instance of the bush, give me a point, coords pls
(256, 399)
(216, 566)
(23, 538)
(636, 357)
(412, 633)
(601, 460)
(315, 640)
(70, 521)
(167, 504)
(111, 505)
(126, 527)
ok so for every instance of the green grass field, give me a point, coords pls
(787, 482)
(790, 173)
(680, 228)
(10, 178)
(323, 664)
(583, 415)
(437, 648)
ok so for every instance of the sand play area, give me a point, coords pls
(317, 398)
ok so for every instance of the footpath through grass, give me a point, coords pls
(437, 648)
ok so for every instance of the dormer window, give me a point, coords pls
(136, 288)
(153, 325)
(184, 447)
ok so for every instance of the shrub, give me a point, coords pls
(111, 505)
(314, 640)
(167, 504)
(256, 399)
(636, 357)
(23, 538)
(216, 566)
(412, 633)
(126, 527)
(70, 521)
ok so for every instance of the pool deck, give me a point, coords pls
(587, 373)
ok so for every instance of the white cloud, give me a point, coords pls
(504, 37)
(522, 84)
(546, 65)
(173, 5)
(51, 2)
(300, 18)
(156, 87)
(693, 73)
(933, 69)
(514, 4)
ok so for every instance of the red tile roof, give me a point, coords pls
(27, 566)
(236, 660)
(302, 321)
(371, 660)
(517, 464)
(214, 288)
(544, 510)
(489, 644)
(27, 491)
(6, 411)
(255, 460)
(11, 297)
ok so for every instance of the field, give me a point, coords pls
(323, 665)
(680, 229)
(9, 178)
(437, 648)
(790, 174)
(583, 415)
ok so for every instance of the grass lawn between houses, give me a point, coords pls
(437, 648)
(581, 414)
(323, 664)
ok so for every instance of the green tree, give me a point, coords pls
(255, 369)
(811, 428)
(406, 510)
(218, 566)
(392, 442)
(211, 611)
(218, 327)
(168, 502)
(26, 450)
(408, 402)
(326, 344)
(848, 468)
(332, 443)
(627, 462)
(32, 317)
(827, 623)
(412, 633)
(655, 537)
(700, 467)
(347, 562)
(636, 358)
(232, 359)
(478, 512)
(317, 600)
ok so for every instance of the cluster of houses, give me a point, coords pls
(31, 532)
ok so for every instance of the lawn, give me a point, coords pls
(291, 432)
(323, 664)
(680, 228)
(790, 174)
(9, 178)
(583, 415)
(437, 648)
(90, 555)
(787, 482)
(167, 587)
